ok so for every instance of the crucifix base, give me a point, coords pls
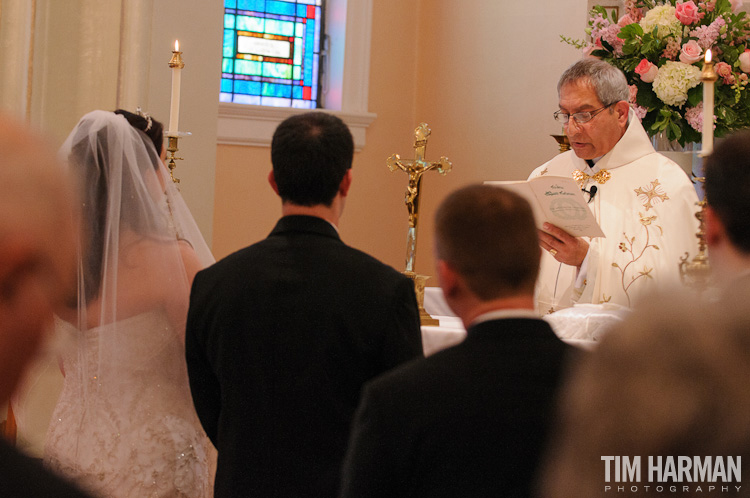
(419, 283)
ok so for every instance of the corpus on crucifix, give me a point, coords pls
(415, 169)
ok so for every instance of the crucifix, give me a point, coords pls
(415, 169)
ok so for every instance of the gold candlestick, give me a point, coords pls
(176, 60)
(176, 64)
(415, 169)
(697, 273)
(171, 149)
(563, 142)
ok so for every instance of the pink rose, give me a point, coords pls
(647, 71)
(691, 52)
(625, 20)
(687, 12)
(745, 61)
(724, 71)
(736, 4)
(633, 93)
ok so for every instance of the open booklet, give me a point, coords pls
(557, 200)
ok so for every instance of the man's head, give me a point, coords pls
(486, 237)
(727, 188)
(311, 154)
(37, 247)
(596, 87)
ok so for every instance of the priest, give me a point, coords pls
(643, 201)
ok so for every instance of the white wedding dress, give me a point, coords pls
(134, 433)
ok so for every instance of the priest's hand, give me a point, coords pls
(562, 246)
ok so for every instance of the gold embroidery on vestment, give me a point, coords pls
(601, 177)
(652, 192)
(628, 247)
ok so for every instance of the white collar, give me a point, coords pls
(504, 313)
(633, 145)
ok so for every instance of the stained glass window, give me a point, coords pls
(271, 52)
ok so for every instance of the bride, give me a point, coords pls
(124, 425)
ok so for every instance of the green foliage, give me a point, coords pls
(579, 44)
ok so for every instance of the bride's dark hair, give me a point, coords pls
(89, 158)
(148, 125)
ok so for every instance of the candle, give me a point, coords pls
(176, 64)
(708, 77)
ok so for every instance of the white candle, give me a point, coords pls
(174, 109)
(708, 106)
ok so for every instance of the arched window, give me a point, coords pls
(271, 52)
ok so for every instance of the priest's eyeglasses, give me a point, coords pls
(579, 117)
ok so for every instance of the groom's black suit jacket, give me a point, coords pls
(280, 338)
(471, 420)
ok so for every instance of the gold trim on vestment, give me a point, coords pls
(601, 177)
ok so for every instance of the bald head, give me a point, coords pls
(36, 246)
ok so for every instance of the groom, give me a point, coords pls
(282, 335)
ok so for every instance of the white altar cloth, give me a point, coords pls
(582, 325)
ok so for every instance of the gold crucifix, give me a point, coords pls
(415, 169)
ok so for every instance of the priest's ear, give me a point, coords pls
(622, 109)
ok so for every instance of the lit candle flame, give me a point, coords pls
(708, 55)
(177, 46)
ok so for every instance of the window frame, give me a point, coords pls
(346, 86)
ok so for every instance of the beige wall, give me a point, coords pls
(481, 73)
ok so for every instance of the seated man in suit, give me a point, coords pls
(469, 420)
(282, 335)
(37, 274)
(727, 188)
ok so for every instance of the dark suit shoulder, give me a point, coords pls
(298, 251)
(513, 348)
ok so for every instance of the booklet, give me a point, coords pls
(557, 200)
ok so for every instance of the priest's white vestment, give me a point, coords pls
(646, 210)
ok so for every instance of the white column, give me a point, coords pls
(16, 28)
(135, 53)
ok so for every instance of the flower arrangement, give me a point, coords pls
(661, 49)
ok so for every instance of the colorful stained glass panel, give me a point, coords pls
(271, 52)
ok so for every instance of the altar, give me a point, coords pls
(581, 326)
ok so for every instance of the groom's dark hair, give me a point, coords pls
(311, 153)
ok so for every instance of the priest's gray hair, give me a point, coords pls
(608, 82)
